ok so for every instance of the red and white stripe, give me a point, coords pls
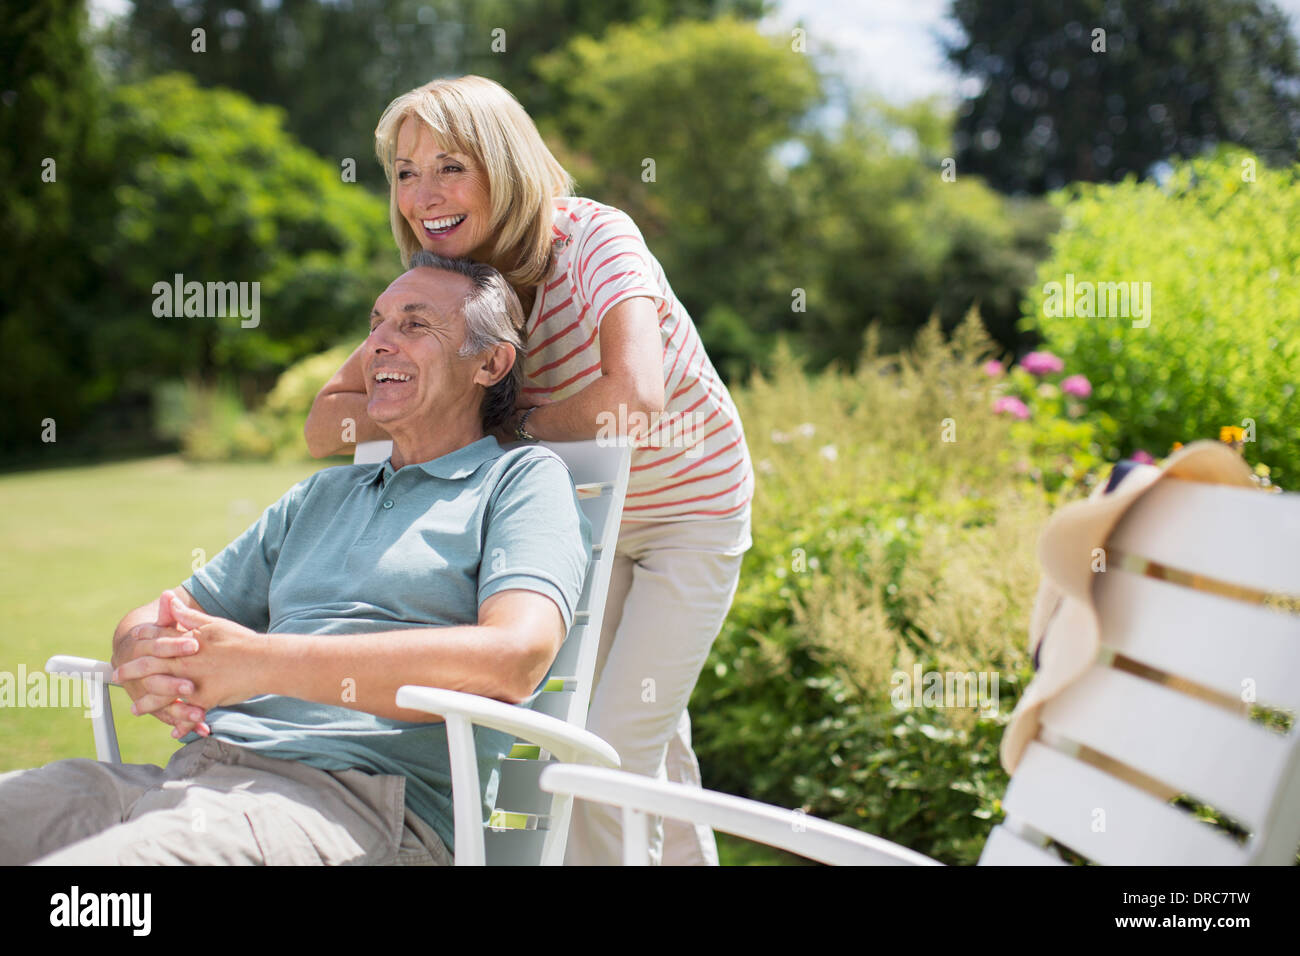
(701, 469)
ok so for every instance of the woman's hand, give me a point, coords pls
(506, 432)
(629, 388)
(338, 417)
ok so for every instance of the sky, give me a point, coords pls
(890, 47)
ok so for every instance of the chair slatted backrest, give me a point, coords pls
(528, 824)
(1191, 701)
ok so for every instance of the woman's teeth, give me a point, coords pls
(442, 226)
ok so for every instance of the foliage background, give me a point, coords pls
(1221, 254)
(877, 544)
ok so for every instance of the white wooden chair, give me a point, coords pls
(528, 826)
(1199, 611)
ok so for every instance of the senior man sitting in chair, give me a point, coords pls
(454, 564)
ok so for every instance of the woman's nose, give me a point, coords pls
(428, 191)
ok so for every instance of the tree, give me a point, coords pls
(334, 66)
(680, 128)
(212, 188)
(52, 181)
(769, 224)
(886, 232)
(1092, 90)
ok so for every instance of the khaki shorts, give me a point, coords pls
(214, 804)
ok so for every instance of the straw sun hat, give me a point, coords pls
(1063, 628)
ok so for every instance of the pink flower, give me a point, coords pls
(1142, 457)
(992, 368)
(1009, 404)
(1041, 363)
(1077, 385)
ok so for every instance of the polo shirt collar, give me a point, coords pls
(460, 463)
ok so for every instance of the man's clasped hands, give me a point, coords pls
(184, 663)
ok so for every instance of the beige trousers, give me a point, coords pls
(214, 804)
(670, 590)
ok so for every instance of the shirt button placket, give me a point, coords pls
(390, 491)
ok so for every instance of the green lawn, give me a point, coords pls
(82, 546)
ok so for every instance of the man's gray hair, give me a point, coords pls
(492, 315)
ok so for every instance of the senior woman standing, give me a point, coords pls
(606, 339)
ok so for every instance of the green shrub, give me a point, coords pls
(1219, 247)
(284, 412)
(878, 546)
(210, 422)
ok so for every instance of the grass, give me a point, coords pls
(85, 545)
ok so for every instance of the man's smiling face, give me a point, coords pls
(414, 377)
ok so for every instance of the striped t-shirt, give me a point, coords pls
(694, 464)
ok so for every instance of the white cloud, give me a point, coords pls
(892, 47)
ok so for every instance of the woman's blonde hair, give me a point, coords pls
(479, 117)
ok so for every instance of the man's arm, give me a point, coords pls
(343, 397)
(504, 656)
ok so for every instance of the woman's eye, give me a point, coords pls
(453, 169)
(404, 173)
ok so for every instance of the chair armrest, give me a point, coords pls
(790, 830)
(94, 673)
(462, 712)
(78, 666)
(566, 742)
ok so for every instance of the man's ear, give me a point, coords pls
(496, 364)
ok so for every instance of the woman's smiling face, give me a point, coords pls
(441, 194)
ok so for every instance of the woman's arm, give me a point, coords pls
(631, 375)
(342, 398)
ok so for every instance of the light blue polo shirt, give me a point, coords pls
(361, 548)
